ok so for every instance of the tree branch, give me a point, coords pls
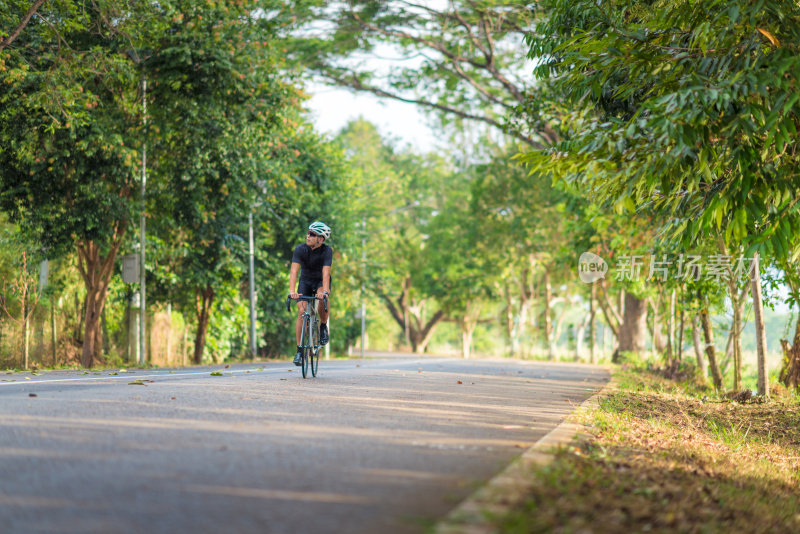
(470, 80)
(24, 22)
(439, 47)
(354, 83)
(428, 330)
(392, 309)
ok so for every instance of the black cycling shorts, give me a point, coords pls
(308, 288)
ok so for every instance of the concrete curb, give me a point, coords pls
(509, 488)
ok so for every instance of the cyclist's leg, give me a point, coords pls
(323, 320)
(301, 309)
(323, 313)
(306, 290)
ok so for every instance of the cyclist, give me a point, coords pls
(313, 259)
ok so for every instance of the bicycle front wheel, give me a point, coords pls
(308, 353)
(314, 362)
(307, 346)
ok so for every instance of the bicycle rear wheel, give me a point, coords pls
(314, 352)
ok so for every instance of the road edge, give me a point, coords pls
(508, 488)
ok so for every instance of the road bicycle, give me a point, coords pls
(309, 336)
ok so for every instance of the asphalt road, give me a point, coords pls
(369, 446)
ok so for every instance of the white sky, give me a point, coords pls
(331, 109)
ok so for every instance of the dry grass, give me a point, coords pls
(661, 457)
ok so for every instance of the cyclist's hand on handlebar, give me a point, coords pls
(321, 294)
(294, 296)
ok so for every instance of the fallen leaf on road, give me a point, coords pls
(112, 374)
(136, 383)
(459, 382)
(27, 378)
(32, 395)
(227, 366)
(216, 373)
(173, 398)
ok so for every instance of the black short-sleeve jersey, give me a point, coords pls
(312, 261)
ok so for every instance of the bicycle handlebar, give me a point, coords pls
(307, 299)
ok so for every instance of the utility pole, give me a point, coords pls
(252, 291)
(363, 275)
(142, 273)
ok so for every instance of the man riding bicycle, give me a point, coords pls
(313, 259)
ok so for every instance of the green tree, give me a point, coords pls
(528, 226)
(462, 61)
(223, 122)
(67, 130)
(689, 110)
(397, 195)
(686, 111)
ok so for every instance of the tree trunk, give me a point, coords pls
(103, 337)
(581, 334)
(613, 319)
(420, 337)
(468, 324)
(681, 332)
(671, 328)
(698, 351)
(656, 333)
(521, 326)
(761, 337)
(95, 298)
(509, 321)
(708, 335)
(548, 325)
(96, 271)
(737, 302)
(790, 370)
(204, 298)
(632, 331)
(737, 346)
(419, 330)
(53, 335)
(592, 325)
(26, 327)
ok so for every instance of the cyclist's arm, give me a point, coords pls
(326, 279)
(293, 279)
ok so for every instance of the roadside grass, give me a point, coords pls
(665, 456)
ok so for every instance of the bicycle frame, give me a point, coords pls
(309, 335)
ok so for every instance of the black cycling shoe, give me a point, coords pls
(323, 334)
(298, 358)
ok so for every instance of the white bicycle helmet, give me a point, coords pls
(320, 228)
